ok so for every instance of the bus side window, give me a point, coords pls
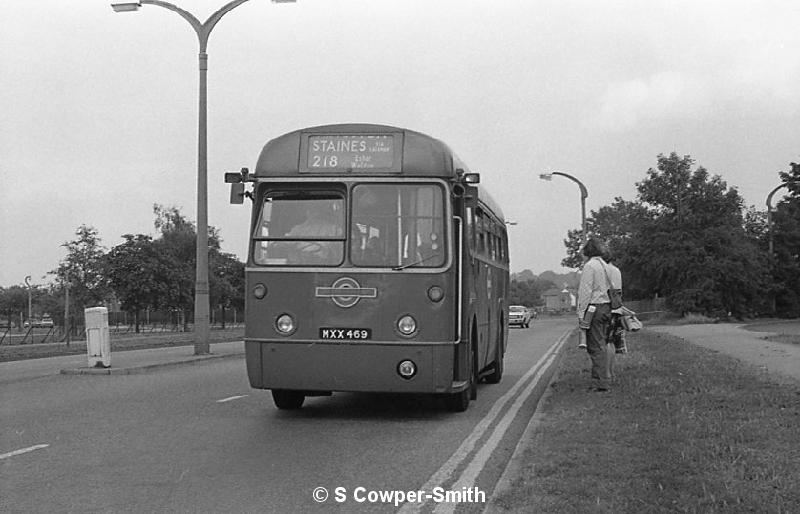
(480, 230)
(469, 229)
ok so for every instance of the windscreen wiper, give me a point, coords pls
(404, 266)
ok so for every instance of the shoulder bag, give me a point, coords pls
(615, 295)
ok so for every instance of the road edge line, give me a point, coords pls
(515, 463)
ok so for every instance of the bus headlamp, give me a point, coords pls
(407, 325)
(260, 291)
(285, 324)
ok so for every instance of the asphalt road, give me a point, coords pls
(197, 438)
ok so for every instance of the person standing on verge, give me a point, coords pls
(593, 290)
(616, 332)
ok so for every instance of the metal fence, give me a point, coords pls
(647, 308)
(118, 323)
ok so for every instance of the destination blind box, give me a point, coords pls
(363, 152)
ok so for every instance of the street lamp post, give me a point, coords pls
(30, 302)
(584, 195)
(771, 232)
(203, 30)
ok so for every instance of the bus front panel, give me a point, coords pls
(345, 330)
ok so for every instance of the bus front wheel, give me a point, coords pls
(497, 368)
(459, 402)
(287, 400)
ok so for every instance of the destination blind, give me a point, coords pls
(350, 152)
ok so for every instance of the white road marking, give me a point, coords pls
(23, 450)
(444, 473)
(232, 398)
(470, 474)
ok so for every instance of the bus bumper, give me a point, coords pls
(372, 367)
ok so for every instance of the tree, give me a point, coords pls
(574, 245)
(13, 301)
(226, 282)
(786, 239)
(160, 273)
(138, 274)
(755, 226)
(686, 238)
(177, 243)
(694, 248)
(528, 292)
(619, 226)
(82, 269)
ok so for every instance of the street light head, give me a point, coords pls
(546, 176)
(126, 6)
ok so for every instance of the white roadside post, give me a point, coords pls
(98, 341)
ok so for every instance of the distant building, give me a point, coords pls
(558, 300)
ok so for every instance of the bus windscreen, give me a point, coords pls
(397, 225)
(391, 226)
(301, 229)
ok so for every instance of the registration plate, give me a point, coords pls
(345, 334)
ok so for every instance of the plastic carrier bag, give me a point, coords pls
(629, 320)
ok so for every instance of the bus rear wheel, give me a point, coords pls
(287, 399)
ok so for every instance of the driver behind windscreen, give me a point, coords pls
(321, 221)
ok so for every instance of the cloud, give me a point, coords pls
(664, 95)
(741, 69)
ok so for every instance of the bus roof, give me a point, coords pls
(404, 153)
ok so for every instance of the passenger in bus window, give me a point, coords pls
(430, 249)
(319, 222)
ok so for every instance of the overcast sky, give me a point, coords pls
(99, 109)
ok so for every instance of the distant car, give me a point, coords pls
(519, 315)
(44, 322)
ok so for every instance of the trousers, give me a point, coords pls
(601, 350)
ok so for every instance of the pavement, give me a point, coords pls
(122, 363)
(781, 361)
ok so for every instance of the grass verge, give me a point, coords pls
(684, 429)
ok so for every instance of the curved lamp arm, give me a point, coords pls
(202, 29)
(584, 195)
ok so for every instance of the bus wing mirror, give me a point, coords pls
(237, 192)
(233, 177)
(471, 196)
(467, 194)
